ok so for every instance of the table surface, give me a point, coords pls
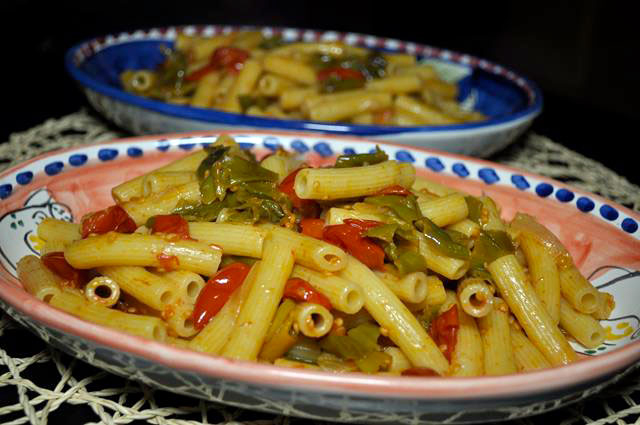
(39, 384)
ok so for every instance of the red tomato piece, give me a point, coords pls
(395, 189)
(300, 290)
(312, 227)
(340, 74)
(168, 262)
(114, 218)
(227, 57)
(172, 223)
(349, 237)
(444, 330)
(307, 207)
(56, 262)
(217, 291)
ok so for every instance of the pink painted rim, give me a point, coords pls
(426, 388)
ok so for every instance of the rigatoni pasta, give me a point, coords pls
(274, 261)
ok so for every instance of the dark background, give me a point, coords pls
(579, 53)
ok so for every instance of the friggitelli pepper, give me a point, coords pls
(217, 292)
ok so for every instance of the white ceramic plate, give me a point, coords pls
(602, 237)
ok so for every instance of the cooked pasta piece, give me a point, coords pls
(313, 320)
(102, 290)
(495, 331)
(577, 290)
(136, 324)
(37, 279)
(544, 275)
(583, 327)
(262, 301)
(340, 183)
(51, 229)
(163, 252)
(522, 300)
(402, 326)
(475, 297)
(344, 295)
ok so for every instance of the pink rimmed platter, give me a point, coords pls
(602, 237)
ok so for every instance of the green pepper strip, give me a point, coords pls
(405, 207)
(489, 246)
(360, 159)
(409, 261)
(441, 239)
(475, 208)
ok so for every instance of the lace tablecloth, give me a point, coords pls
(39, 384)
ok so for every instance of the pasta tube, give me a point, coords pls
(37, 279)
(526, 306)
(340, 183)
(113, 249)
(402, 326)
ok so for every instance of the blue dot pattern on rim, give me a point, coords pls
(78, 159)
(544, 189)
(246, 145)
(629, 225)
(520, 182)
(460, 170)
(272, 143)
(163, 145)
(404, 156)
(24, 177)
(299, 146)
(585, 204)
(107, 154)
(349, 151)
(53, 168)
(186, 146)
(323, 149)
(608, 212)
(5, 190)
(434, 164)
(488, 175)
(564, 195)
(134, 152)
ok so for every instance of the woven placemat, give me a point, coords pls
(39, 384)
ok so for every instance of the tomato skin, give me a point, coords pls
(444, 330)
(56, 262)
(227, 57)
(349, 237)
(113, 218)
(307, 207)
(395, 189)
(340, 73)
(300, 290)
(172, 223)
(168, 262)
(217, 292)
(312, 227)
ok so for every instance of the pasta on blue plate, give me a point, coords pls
(246, 72)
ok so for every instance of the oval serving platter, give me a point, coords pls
(510, 100)
(602, 237)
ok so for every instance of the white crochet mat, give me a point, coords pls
(40, 385)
